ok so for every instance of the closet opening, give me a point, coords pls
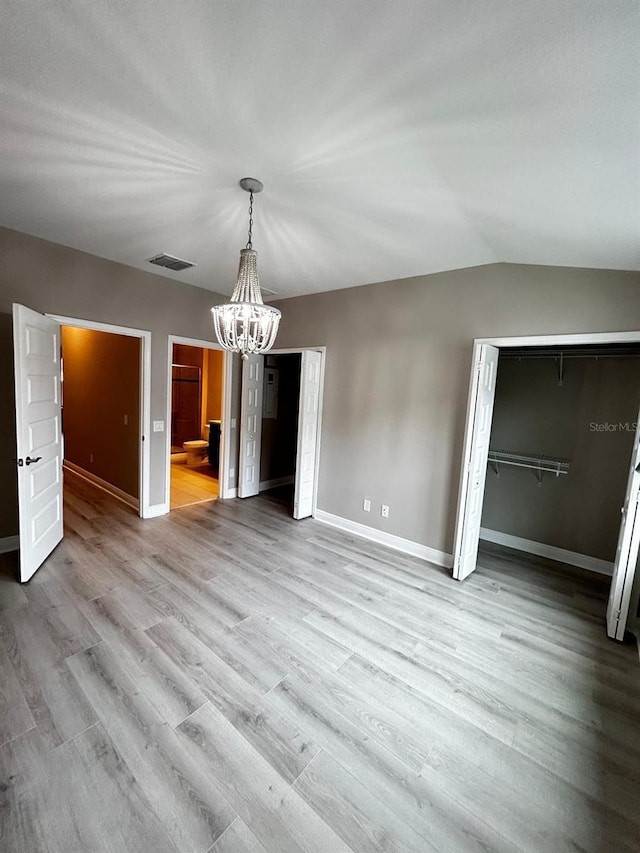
(551, 458)
(280, 422)
(280, 404)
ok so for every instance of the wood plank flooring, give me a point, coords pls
(225, 679)
(192, 485)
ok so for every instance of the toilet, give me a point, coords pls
(196, 452)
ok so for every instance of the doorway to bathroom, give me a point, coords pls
(195, 433)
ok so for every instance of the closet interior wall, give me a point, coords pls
(280, 419)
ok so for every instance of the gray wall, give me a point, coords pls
(279, 434)
(533, 414)
(58, 280)
(397, 376)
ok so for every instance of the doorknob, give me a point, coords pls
(30, 461)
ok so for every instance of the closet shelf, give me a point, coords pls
(540, 464)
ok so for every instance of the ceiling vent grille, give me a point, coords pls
(170, 263)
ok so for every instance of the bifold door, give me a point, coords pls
(627, 552)
(250, 426)
(36, 341)
(474, 463)
(308, 414)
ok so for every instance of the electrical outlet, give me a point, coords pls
(232, 472)
(366, 505)
(385, 511)
(158, 426)
(233, 423)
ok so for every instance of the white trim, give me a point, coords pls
(225, 414)
(145, 393)
(9, 543)
(112, 490)
(563, 340)
(323, 352)
(273, 484)
(225, 429)
(407, 546)
(232, 492)
(156, 510)
(551, 552)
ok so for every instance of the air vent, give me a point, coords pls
(170, 263)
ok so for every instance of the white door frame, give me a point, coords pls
(145, 394)
(323, 353)
(225, 415)
(582, 339)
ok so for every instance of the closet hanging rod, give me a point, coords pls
(541, 464)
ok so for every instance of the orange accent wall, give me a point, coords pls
(213, 408)
(101, 385)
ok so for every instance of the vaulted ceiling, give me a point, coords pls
(394, 138)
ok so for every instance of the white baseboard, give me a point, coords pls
(273, 484)
(155, 510)
(9, 543)
(229, 494)
(112, 490)
(407, 546)
(583, 561)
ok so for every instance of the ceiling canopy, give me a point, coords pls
(394, 138)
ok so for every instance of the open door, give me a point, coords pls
(36, 343)
(627, 553)
(306, 452)
(474, 462)
(250, 426)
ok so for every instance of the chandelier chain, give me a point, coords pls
(249, 243)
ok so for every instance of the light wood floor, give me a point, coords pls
(192, 485)
(226, 679)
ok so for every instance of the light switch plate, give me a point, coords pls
(233, 423)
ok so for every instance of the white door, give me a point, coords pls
(36, 343)
(627, 553)
(250, 426)
(474, 462)
(308, 410)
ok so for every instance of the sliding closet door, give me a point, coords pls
(474, 462)
(627, 553)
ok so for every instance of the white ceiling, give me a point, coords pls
(394, 138)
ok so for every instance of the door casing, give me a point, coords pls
(225, 415)
(145, 395)
(583, 339)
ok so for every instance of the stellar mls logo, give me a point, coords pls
(621, 426)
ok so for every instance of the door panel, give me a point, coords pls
(250, 426)
(36, 341)
(476, 453)
(627, 552)
(307, 433)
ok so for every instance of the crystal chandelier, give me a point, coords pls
(246, 325)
